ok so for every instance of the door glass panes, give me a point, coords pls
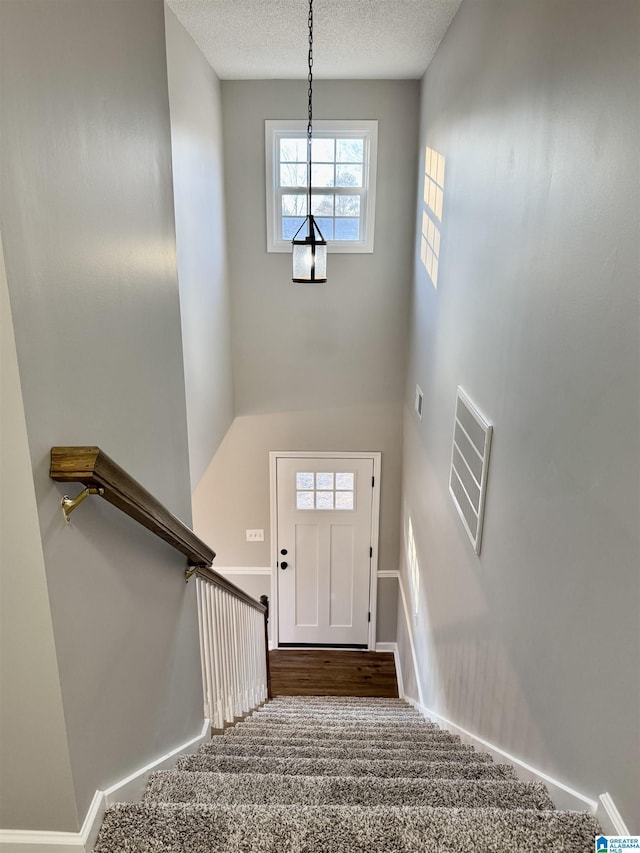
(344, 500)
(325, 490)
(344, 482)
(324, 481)
(305, 500)
(324, 500)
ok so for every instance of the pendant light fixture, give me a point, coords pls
(310, 252)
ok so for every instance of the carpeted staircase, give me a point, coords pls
(340, 775)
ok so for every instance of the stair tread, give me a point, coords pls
(351, 829)
(259, 788)
(349, 775)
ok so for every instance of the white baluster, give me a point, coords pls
(203, 648)
(241, 657)
(208, 623)
(236, 659)
(245, 658)
(255, 617)
(252, 652)
(215, 656)
(212, 645)
(221, 645)
(232, 654)
(226, 629)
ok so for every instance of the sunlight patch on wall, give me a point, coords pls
(433, 196)
(413, 565)
(430, 248)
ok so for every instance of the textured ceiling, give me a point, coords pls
(252, 39)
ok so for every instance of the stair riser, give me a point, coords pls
(454, 753)
(330, 725)
(328, 767)
(376, 719)
(350, 733)
(349, 744)
(344, 776)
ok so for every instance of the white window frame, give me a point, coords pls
(275, 129)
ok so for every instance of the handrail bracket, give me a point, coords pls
(190, 572)
(69, 504)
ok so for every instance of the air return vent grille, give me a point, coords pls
(469, 463)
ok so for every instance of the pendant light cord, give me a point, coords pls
(310, 123)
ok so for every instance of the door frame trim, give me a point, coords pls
(376, 457)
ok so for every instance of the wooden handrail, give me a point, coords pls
(101, 476)
(91, 466)
(223, 583)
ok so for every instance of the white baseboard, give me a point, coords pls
(130, 789)
(126, 790)
(24, 841)
(609, 817)
(563, 796)
(388, 573)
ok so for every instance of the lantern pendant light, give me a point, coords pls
(310, 252)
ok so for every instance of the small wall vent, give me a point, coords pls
(419, 401)
(469, 464)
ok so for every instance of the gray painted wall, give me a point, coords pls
(87, 221)
(234, 493)
(534, 106)
(196, 145)
(344, 344)
(315, 368)
(30, 701)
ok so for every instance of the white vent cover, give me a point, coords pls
(469, 463)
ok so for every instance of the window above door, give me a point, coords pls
(343, 175)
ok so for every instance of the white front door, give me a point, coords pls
(324, 549)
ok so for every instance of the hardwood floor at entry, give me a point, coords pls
(332, 672)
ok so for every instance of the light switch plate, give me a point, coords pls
(255, 535)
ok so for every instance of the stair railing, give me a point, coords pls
(233, 626)
(235, 673)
